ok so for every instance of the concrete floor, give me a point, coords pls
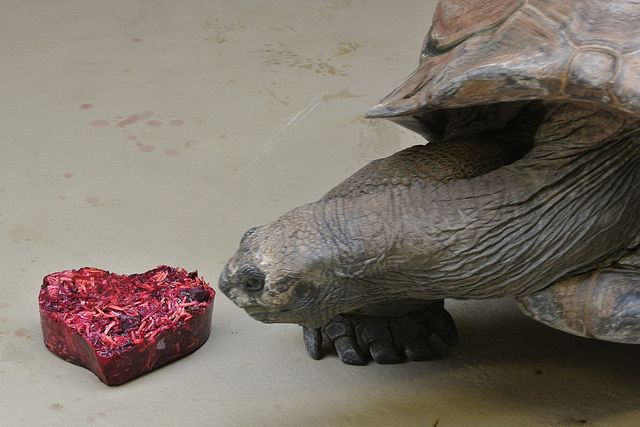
(135, 133)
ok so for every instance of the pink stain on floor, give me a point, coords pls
(22, 332)
(146, 148)
(171, 152)
(154, 123)
(134, 118)
(92, 200)
(99, 123)
(176, 122)
(86, 106)
(67, 175)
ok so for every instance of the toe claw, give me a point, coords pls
(375, 335)
(349, 351)
(384, 352)
(370, 329)
(312, 342)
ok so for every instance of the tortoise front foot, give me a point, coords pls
(385, 339)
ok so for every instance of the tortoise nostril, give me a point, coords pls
(223, 283)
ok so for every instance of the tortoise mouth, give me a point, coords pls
(301, 315)
(274, 316)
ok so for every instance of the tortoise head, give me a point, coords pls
(282, 272)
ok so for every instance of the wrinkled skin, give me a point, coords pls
(518, 191)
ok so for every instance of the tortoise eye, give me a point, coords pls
(252, 279)
(253, 284)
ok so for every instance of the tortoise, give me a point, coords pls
(527, 187)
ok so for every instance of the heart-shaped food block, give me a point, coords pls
(120, 327)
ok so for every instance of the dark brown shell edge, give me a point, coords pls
(604, 304)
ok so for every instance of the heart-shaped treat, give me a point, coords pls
(120, 327)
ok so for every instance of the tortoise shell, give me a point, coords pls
(491, 51)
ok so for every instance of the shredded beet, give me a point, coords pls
(120, 327)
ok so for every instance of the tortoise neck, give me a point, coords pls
(569, 205)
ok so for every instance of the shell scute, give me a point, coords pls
(456, 20)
